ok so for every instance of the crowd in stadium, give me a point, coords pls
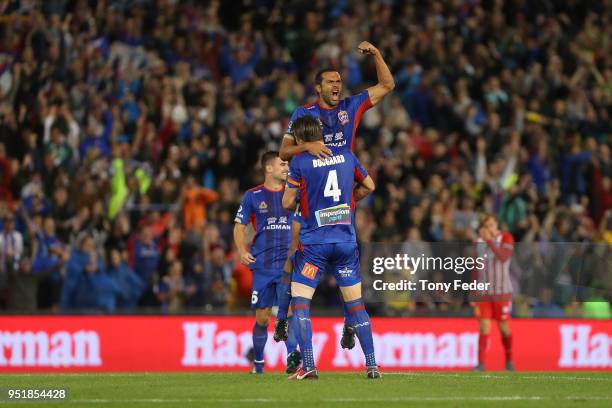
(129, 130)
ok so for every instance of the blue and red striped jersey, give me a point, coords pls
(326, 196)
(263, 209)
(340, 123)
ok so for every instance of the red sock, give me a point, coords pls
(483, 344)
(507, 340)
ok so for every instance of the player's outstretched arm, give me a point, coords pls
(385, 79)
(289, 148)
(239, 239)
(364, 189)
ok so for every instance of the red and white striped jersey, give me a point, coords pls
(497, 254)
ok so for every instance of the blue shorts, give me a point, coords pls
(311, 261)
(265, 288)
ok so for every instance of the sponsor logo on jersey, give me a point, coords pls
(340, 214)
(272, 224)
(309, 270)
(263, 207)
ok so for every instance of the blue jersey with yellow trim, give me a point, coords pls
(340, 123)
(326, 196)
(263, 209)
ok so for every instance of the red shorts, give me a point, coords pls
(493, 310)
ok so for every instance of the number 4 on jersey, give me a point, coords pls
(331, 186)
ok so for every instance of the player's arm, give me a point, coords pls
(293, 183)
(364, 189)
(289, 196)
(290, 148)
(239, 239)
(385, 79)
(241, 221)
(295, 240)
(365, 185)
(504, 250)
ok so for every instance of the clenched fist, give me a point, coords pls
(366, 48)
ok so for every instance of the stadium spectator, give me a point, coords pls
(130, 285)
(146, 256)
(87, 286)
(175, 289)
(11, 250)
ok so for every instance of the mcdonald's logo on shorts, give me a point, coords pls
(309, 270)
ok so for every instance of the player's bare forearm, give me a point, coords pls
(361, 192)
(383, 74)
(246, 258)
(289, 202)
(364, 189)
(295, 241)
(501, 252)
(289, 149)
(295, 236)
(239, 238)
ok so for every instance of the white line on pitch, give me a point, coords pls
(509, 377)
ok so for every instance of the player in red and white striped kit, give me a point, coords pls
(496, 302)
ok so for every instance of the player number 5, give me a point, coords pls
(331, 186)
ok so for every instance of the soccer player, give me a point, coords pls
(340, 118)
(327, 239)
(494, 303)
(262, 207)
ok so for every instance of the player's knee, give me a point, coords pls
(350, 293)
(504, 328)
(262, 316)
(301, 290)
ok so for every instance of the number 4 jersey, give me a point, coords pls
(326, 196)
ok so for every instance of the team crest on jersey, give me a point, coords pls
(263, 207)
(343, 117)
(309, 270)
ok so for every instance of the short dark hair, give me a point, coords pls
(267, 158)
(319, 75)
(308, 129)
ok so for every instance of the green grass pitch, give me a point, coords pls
(429, 389)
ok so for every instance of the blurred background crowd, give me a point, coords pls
(129, 130)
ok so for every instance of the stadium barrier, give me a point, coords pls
(187, 343)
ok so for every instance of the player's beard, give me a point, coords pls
(331, 99)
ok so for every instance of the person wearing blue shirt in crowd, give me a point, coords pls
(87, 285)
(145, 262)
(130, 285)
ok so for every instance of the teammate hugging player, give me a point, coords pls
(339, 118)
(495, 303)
(327, 239)
(262, 206)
